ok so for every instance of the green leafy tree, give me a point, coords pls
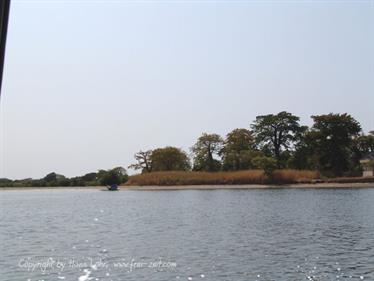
(238, 151)
(109, 178)
(143, 161)
(238, 140)
(77, 181)
(169, 159)
(117, 175)
(277, 133)
(63, 182)
(332, 139)
(305, 156)
(4, 182)
(51, 177)
(205, 149)
(90, 177)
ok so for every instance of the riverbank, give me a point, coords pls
(72, 188)
(176, 178)
(251, 179)
(205, 187)
(252, 186)
(247, 177)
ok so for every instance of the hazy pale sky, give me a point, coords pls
(89, 83)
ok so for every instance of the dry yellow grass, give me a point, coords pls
(295, 176)
(220, 178)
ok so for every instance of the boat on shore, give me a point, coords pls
(112, 187)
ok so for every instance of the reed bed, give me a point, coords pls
(294, 176)
(351, 180)
(222, 178)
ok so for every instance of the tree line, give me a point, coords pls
(333, 145)
(116, 175)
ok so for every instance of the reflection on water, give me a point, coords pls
(187, 235)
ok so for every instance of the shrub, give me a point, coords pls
(267, 164)
(115, 176)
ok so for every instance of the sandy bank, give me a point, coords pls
(252, 186)
(204, 187)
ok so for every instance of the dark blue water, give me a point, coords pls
(187, 235)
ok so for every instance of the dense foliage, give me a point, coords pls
(333, 146)
(161, 159)
(205, 150)
(238, 150)
(276, 134)
(169, 159)
(117, 175)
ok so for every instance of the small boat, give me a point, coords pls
(112, 187)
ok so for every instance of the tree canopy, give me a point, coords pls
(116, 175)
(277, 132)
(238, 150)
(169, 159)
(207, 147)
(331, 139)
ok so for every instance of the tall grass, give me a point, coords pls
(294, 176)
(221, 178)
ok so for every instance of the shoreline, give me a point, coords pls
(253, 186)
(205, 187)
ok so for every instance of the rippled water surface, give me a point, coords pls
(187, 235)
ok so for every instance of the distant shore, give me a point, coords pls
(54, 188)
(253, 186)
(205, 187)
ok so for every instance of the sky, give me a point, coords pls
(89, 83)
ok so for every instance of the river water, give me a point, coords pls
(281, 234)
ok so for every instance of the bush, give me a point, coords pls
(114, 176)
(267, 164)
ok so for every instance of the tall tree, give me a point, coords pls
(277, 133)
(143, 163)
(169, 159)
(332, 138)
(205, 149)
(238, 152)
